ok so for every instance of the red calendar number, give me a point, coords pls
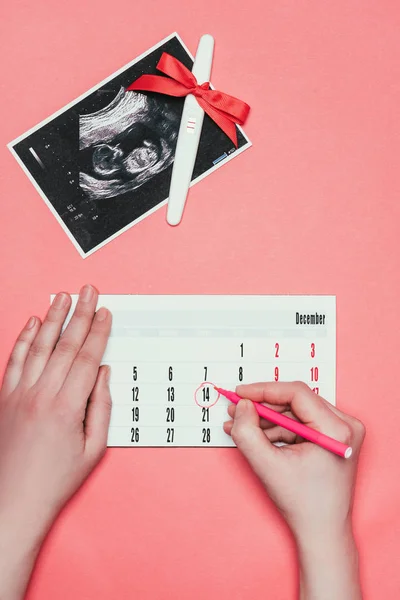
(314, 373)
(312, 350)
(276, 374)
(276, 350)
(316, 390)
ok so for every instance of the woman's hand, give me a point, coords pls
(54, 414)
(311, 487)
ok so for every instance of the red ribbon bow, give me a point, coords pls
(225, 110)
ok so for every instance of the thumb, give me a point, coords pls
(98, 415)
(251, 440)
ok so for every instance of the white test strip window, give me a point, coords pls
(191, 125)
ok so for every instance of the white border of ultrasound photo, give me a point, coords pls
(11, 145)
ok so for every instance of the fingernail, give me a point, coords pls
(86, 293)
(101, 314)
(31, 323)
(60, 300)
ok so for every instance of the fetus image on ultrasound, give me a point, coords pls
(125, 144)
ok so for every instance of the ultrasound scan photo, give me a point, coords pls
(104, 162)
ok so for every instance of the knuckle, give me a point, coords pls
(68, 416)
(359, 428)
(23, 338)
(237, 433)
(345, 432)
(67, 347)
(98, 333)
(100, 329)
(301, 386)
(33, 402)
(108, 403)
(86, 359)
(31, 406)
(38, 349)
(54, 316)
(82, 311)
(282, 438)
(13, 359)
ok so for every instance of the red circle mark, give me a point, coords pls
(201, 386)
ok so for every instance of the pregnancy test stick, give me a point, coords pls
(189, 134)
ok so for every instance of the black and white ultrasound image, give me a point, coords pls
(107, 160)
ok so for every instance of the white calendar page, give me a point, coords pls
(166, 352)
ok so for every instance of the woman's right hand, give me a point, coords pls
(312, 488)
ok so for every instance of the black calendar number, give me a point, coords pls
(170, 412)
(170, 374)
(134, 373)
(170, 435)
(206, 435)
(205, 415)
(135, 394)
(171, 394)
(240, 373)
(135, 413)
(206, 394)
(205, 373)
(135, 434)
(241, 350)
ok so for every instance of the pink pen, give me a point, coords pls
(302, 430)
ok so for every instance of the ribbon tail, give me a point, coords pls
(235, 109)
(221, 119)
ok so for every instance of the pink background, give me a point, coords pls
(313, 207)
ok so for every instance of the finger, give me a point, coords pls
(336, 411)
(304, 404)
(264, 424)
(275, 434)
(45, 340)
(72, 339)
(18, 356)
(281, 435)
(232, 410)
(251, 440)
(278, 408)
(356, 425)
(83, 374)
(98, 415)
(228, 427)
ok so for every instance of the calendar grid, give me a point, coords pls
(167, 352)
